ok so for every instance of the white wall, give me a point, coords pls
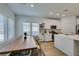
(69, 24)
(11, 28)
(20, 19)
(5, 10)
(8, 14)
(49, 22)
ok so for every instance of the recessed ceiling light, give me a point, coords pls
(51, 13)
(57, 14)
(32, 5)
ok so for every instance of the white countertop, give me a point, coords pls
(74, 37)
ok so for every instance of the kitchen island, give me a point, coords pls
(69, 44)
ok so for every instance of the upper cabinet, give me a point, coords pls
(69, 24)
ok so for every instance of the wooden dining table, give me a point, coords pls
(19, 44)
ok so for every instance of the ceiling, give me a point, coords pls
(44, 9)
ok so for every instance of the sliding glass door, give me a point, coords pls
(6, 28)
(2, 28)
(31, 29)
(26, 28)
(35, 29)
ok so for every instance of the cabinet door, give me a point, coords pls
(57, 41)
(68, 46)
(48, 37)
(64, 44)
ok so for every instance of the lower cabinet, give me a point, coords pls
(64, 44)
(68, 46)
(48, 37)
(57, 42)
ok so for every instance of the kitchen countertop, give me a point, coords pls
(74, 37)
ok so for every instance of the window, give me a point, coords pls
(1, 28)
(6, 28)
(26, 28)
(31, 28)
(35, 29)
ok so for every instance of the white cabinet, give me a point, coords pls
(68, 46)
(68, 24)
(57, 42)
(48, 36)
(64, 44)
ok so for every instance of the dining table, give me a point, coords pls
(19, 44)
